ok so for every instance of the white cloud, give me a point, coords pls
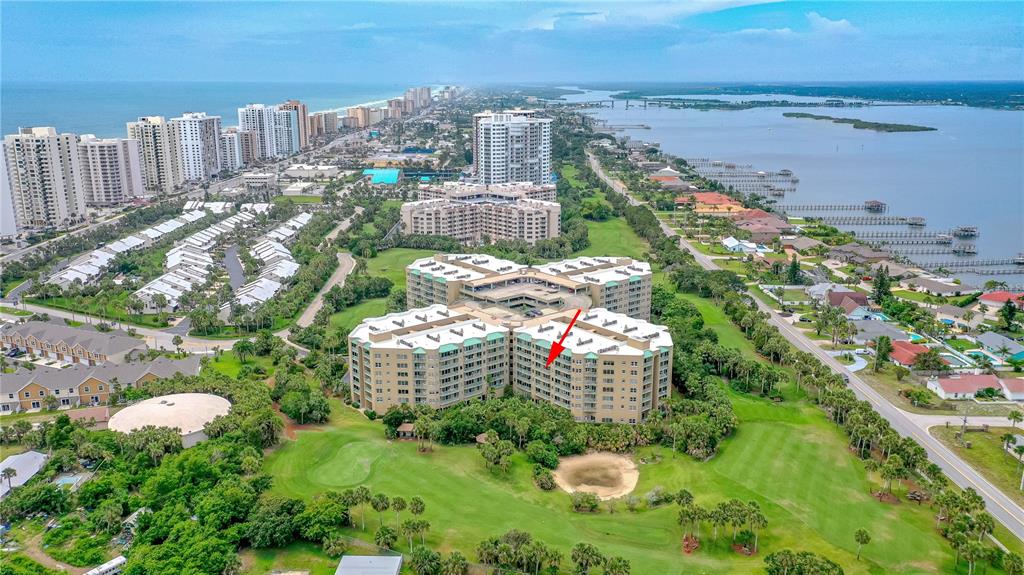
(628, 14)
(823, 25)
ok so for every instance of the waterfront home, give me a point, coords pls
(25, 466)
(836, 298)
(1001, 345)
(958, 317)
(869, 330)
(937, 288)
(995, 300)
(69, 344)
(800, 244)
(904, 353)
(858, 254)
(895, 270)
(963, 386)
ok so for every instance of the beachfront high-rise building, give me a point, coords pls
(261, 120)
(111, 170)
(229, 149)
(423, 99)
(44, 174)
(395, 108)
(161, 163)
(8, 225)
(323, 123)
(286, 132)
(361, 114)
(303, 120)
(198, 138)
(512, 147)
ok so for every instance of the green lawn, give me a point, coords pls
(350, 317)
(115, 310)
(614, 237)
(788, 458)
(9, 285)
(297, 199)
(228, 363)
(300, 556)
(14, 311)
(961, 344)
(391, 263)
(987, 456)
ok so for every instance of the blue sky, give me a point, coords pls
(485, 42)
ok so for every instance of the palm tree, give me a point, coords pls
(616, 566)
(454, 564)
(244, 348)
(385, 537)
(398, 504)
(9, 473)
(380, 504)
(862, 537)
(1008, 440)
(585, 556)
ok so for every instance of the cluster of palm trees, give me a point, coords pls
(518, 552)
(734, 513)
(962, 519)
(744, 374)
(832, 320)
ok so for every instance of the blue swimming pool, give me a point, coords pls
(914, 337)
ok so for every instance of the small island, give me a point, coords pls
(862, 124)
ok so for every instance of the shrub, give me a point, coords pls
(543, 478)
(371, 414)
(657, 496)
(542, 454)
(584, 502)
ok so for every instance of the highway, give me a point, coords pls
(1002, 508)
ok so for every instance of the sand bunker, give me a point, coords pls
(607, 475)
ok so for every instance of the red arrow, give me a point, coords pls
(556, 346)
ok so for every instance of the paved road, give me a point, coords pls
(17, 255)
(345, 265)
(1004, 509)
(236, 275)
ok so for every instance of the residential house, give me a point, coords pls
(800, 244)
(69, 344)
(995, 300)
(963, 386)
(743, 247)
(858, 254)
(26, 390)
(904, 353)
(958, 317)
(25, 466)
(819, 292)
(870, 330)
(896, 271)
(1001, 345)
(937, 288)
(1013, 388)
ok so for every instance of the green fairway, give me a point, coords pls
(788, 458)
(229, 364)
(614, 237)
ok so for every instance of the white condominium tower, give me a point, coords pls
(230, 150)
(302, 113)
(261, 121)
(111, 170)
(198, 138)
(45, 178)
(513, 146)
(161, 162)
(287, 132)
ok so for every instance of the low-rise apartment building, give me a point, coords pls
(620, 284)
(69, 344)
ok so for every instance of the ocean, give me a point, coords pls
(968, 172)
(103, 108)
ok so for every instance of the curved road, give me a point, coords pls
(1004, 509)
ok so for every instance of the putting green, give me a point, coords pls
(349, 466)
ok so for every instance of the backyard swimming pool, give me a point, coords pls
(914, 337)
(980, 353)
(954, 360)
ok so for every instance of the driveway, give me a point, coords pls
(858, 364)
(345, 265)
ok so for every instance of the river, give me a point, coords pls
(970, 171)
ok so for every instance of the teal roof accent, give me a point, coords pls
(419, 351)
(647, 353)
(611, 284)
(663, 348)
(634, 278)
(494, 336)
(523, 336)
(366, 345)
(415, 272)
(591, 355)
(440, 279)
(472, 341)
(448, 347)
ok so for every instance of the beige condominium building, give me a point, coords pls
(480, 221)
(619, 284)
(478, 324)
(615, 368)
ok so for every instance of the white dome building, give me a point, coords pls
(188, 412)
